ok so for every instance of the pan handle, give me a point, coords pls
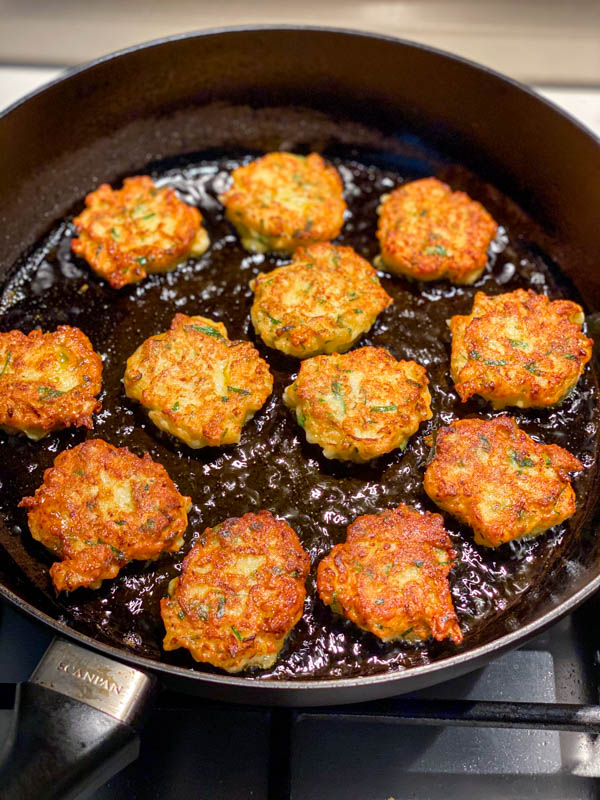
(74, 725)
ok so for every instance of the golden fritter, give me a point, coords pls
(281, 201)
(126, 234)
(240, 593)
(197, 384)
(494, 477)
(359, 405)
(48, 381)
(320, 303)
(518, 349)
(101, 506)
(390, 577)
(429, 232)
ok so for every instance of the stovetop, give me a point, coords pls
(202, 749)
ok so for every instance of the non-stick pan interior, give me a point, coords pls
(192, 149)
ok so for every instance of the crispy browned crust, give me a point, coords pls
(197, 384)
(240, 593)
(128, 233)
(429, 232)
(493, 476)
(519, 349)
(320, 303)
(101, 506)
(48, 381)
(281, 201)
(359, 405)
(390, 577)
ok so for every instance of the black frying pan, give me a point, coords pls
(383, 110)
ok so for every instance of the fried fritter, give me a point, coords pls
(197, 384)
(128, 233)
(48, 381)
(101, 506)
(494, 477)
(320, 303)
(429, 232)
(359, 405)
(281, 201)
(390, 577)
(240, 593)
(519, 349)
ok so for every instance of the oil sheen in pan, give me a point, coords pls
(273, 467)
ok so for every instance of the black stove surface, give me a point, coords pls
(201, 749)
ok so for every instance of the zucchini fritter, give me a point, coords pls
(359, 405)
(48, 381)
(197, 384)
(101, 506)
(390, 577)
(281, 201)
(494, 477)
(429, 232)
(240, 593)
(126, 234)
(320, 303)
(519, 349)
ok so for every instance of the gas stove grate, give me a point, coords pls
(526, 725)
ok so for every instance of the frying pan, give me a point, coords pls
(260, 89)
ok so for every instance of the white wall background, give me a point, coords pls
(537, 41)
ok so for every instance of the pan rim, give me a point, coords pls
(467, 660)
(354, 32)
